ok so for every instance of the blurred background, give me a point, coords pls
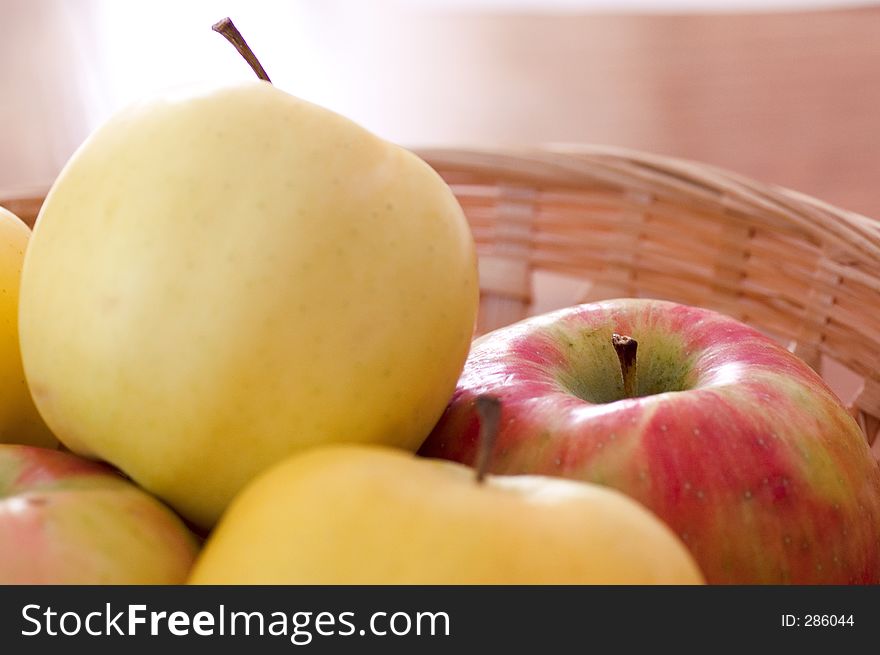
(783, 91)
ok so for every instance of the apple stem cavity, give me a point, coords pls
(231, 33)
(626, 347)
(489, 411)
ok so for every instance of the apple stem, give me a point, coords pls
(230, 31)
(489, 411)
(626, 348)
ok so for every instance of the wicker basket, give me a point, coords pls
(640, 225)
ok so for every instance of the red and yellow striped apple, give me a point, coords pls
(733, 441)
(68, 520)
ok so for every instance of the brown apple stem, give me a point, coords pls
(230, 31)
(626, 348)
(489, 411)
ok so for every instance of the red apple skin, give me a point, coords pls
(756, 466)
(68, 520)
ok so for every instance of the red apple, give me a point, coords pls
(68, 520)
(733, 441)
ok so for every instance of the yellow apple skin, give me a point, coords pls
(20, 422)
(222, 278)
(373, 515)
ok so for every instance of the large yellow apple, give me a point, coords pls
(221, 278)
(19, 420)
(373, 515)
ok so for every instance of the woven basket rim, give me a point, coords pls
(561, 166)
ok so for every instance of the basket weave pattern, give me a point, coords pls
(649, 226)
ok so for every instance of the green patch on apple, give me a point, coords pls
(593, 374)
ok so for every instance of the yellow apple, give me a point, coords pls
(374, 515)
(220, 278)
(19, 420)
